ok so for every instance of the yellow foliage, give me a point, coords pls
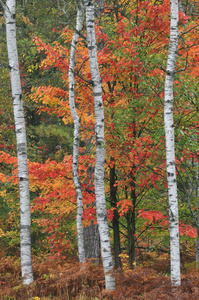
(26, 20)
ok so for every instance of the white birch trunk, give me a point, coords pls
(170, 147)
(25, 216)
(80, 234)
(100, 149)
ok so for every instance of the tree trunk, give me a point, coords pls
(100, 148)
(25, 215)
(115, 221)
(91, 233)
(170, 147)
(92, 242)
(131, 237)
(80, 234)
(197, 253)
(197, 218)
(132, 254)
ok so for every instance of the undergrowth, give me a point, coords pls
(67, 280)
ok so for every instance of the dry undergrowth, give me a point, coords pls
(65, 280)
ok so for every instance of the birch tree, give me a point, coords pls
(80, 234)
(170, 146)
(100, 148)
(25, 216)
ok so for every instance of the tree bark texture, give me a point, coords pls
(92, 241)
(80, 233)
(100, 149)
(91, 232)
(25, 215)
(197, 252)
(131, 230)
(115, 221)
(170, 146)
(197, 222)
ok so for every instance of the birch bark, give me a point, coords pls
(100, 148)
(170, 146)
(80, 234)
(25, 216)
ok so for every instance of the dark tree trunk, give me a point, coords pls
(131, 226)
(131, 237)
(92, 242)
(91, 233)
(115, 221)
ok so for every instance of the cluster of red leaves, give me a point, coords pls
(154, 217)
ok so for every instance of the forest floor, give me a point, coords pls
(63, 279)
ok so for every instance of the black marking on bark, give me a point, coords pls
(170, 174)
(23, 179)
(172, 217)
(169, 73)
(104, 250)
(100, 104)
(24, 226)
(21, 145)
(100, 215)
(20, 97)
(97, 94)
(14, 16)
(90, 3)
(19, 131)
(26, 264)
(91, 47)
(102, 120)
(25, 244)
(10, 68)
(169, 101)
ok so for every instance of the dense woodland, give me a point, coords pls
(93, 77)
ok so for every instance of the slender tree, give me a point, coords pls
(170, 146)
(89, 248)
(80, 234)
(25, 215)
(100, 148)
(115, 221)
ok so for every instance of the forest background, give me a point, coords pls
(132, 39)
